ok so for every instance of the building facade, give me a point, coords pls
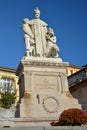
(78, 87)
(71, 69)
(8, 78)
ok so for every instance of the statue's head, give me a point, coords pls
(50, 32)
(26, 20)
(37, 13)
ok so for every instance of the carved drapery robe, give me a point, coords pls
(39, 29)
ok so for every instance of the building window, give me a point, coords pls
(7, 84)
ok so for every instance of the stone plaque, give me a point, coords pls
(45, 82)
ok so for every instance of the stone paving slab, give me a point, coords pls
(45, 128)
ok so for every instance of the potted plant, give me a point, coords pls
(7, 106)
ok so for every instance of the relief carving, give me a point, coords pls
(50, 104)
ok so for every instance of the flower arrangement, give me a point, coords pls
(71, 117)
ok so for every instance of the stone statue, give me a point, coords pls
(39, 29)
(28, 37)
(40, 41)
(52, 48)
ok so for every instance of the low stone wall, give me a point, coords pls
(46, 128)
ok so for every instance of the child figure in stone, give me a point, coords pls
(52, 48)
(28, 37)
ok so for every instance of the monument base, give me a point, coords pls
(43, 88)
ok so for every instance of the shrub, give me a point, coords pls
(7, 98)
(73, 117)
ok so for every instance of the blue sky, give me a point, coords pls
(68, 18)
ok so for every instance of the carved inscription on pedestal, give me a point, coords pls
(44, 82)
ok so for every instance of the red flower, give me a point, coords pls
(71, 117)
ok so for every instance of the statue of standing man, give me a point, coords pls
(37, 30)
(40, 41)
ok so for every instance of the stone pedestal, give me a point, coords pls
(43, 88)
